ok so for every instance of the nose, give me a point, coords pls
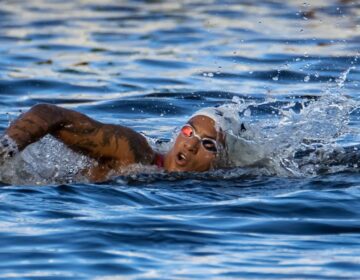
(192, 144)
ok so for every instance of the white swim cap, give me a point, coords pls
(240, 150)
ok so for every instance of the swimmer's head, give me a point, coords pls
(230, 127)
(203, 141)
(197, 146)
(240, 148)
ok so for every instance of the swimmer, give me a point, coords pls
(200, 146)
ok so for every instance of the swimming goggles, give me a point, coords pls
(209, 144)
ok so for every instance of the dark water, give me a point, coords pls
(291, 67)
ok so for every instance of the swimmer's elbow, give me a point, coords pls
(53, 115)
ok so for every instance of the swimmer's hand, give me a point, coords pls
(8, 148)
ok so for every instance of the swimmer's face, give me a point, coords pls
(195, 152)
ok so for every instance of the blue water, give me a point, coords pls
(292, 68)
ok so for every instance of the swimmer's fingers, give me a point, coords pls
(8, 148)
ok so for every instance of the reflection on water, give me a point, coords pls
(291, 71)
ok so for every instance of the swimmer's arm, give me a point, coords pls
(103, 142)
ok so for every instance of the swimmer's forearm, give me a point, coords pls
(40, 120)
(32, 125)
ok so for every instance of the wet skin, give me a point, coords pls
(188, 154)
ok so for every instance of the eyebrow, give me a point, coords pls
(205, 135)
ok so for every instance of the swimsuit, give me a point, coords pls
(159, 160)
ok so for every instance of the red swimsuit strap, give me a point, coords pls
(159, 160)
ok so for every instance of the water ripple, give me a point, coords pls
(150, 65)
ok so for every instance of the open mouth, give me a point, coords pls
(181, 159)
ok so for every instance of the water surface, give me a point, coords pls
(290, 69)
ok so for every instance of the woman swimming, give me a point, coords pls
(200, 145)
(212, 138)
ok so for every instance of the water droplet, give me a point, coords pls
(306, 79)
(276, 78)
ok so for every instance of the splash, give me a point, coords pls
(343, 76)
(299, 137)
(45, 162)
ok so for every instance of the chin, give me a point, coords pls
(177, 169)
(173, 167)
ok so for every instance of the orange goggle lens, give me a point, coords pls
(187, 131)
